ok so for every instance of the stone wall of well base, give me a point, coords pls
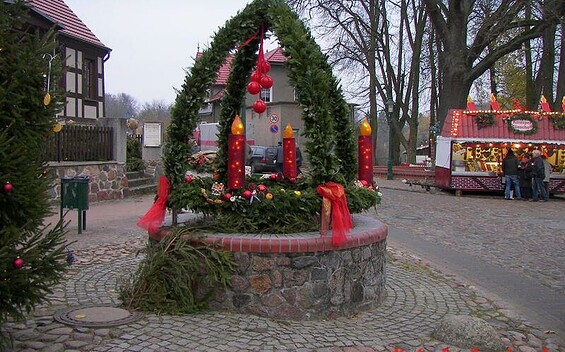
(307, 286)
(107, 180)
(304, 276)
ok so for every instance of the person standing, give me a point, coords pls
(525, 177)
(538, 174)
(510, 170)
(280, 158)
(547, 170)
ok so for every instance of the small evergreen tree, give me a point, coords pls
(31, 257)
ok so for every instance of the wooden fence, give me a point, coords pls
(80, 143)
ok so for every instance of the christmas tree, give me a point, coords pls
(31, 256)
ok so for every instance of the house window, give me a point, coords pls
(267, 95)
(89, 79)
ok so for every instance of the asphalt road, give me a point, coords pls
(510, 250)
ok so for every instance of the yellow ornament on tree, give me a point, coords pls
(47, 99)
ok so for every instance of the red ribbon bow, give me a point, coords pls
(334, 201)
(156, 214)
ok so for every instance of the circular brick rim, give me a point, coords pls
(366, 230)
(65, 316)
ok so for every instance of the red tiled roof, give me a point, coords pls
(59, 12)
(467, 130)
(273, 56)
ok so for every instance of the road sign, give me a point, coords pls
(274, 118)
(274, 128)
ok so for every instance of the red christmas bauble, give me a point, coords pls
(273, 176)
(266, 82)
(18, 263)
(8, 187)
(227, 196)
(256, 77)
(188, 179)
(265, 67)
(262, 188)
(259, 106)
(364, 183)
(247, 194)
(253, 87)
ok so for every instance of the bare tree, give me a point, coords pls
(381, 57)
(464, 38)
(155, 111)
(121, 105)
(351, 29)
(561, 68)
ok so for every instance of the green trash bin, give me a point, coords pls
(74, 195)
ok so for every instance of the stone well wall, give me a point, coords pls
(304, 276)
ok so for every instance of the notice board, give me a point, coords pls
(152, 134)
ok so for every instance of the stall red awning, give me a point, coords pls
(462, 126)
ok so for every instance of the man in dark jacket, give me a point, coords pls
(538, 174)
(510, 170)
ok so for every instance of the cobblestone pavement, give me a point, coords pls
(525, 237)
(418, 296)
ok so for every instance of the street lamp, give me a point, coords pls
(390, 110)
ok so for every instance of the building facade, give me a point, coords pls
(83, 56)
(282, 106)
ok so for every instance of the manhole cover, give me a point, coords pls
(96, 316)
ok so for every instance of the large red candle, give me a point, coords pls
(289, 152)
(365, 162)
(236, 155)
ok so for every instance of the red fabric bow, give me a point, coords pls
(334, 201)
(156, 214)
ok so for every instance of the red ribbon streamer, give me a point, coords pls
(334, 197)
(156, 214)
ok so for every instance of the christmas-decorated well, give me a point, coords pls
(270, 224)
(330, 145)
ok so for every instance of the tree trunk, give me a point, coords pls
(433, 97)
(547, 68)
(454, 92)
(561, 72)
(530, 84)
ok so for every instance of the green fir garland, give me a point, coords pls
(330, 135)
(558, 121)
(484, 120)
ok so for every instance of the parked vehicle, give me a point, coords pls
(262, 159)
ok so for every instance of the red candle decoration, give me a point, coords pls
(365, 169)
(289, 152)
(236, 155)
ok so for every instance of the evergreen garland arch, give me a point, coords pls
(330, 137)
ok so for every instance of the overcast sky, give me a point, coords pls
(152, 42)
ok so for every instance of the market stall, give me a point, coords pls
(472, 144)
